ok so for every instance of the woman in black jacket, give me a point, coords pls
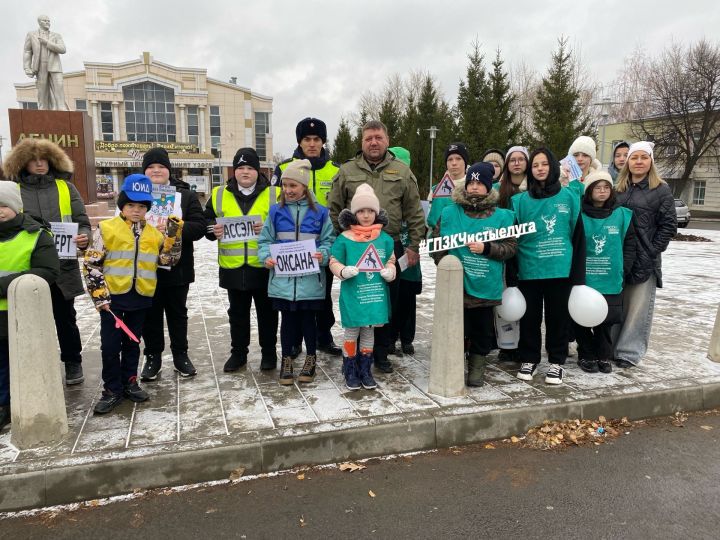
(640, 188)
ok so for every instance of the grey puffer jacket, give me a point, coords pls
(40, 200)
(655, 224)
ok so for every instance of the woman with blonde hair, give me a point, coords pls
(640, 188)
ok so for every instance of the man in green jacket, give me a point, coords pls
(396, 187)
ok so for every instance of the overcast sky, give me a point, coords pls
(317, 57)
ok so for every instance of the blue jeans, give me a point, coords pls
(638, 306)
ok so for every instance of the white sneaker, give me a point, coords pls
(554, 375)
(527, 371)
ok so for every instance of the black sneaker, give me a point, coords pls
(554, 375)
(588, 365)
(508, 355)
(604, 366)
(183, 365)
(235, 362)
(133, 391)
(307, 373)
(624, 364)
(268, 361)
(295, 351)
(107, 402)
(152, 367)
(330, 348)
(408, 348)
(73, 373)
(392, 349)
(527, 371)
(4, 415)
(286, 371)
(384, 365)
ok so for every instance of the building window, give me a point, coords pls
(698, 192)
(29, 105)
(192, 124)
(149, 112)
(217, 179)
(81, 105)
(106, 120)
(215, 129)
(262, 128)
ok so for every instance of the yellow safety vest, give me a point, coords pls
(128, 258)
(15, 256)
(64, 200)
(224, 204)
(320, 181)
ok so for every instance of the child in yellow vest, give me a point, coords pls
(120, 273)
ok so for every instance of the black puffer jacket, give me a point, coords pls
(194, 227)
(655, 224)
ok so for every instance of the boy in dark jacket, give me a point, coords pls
(173, 284)
(25, 248)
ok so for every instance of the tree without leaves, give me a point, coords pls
(343, 147)
(558, 112)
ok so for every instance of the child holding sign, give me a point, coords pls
(474, 211)
(297, 286)
(121, 275)
(362, 251)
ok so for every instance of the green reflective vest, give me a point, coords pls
(64, 201)
(237, 254)
(604, 239)
(320, 180)
(15, 256)
(546, 254)
(364, 299)
(482, 277)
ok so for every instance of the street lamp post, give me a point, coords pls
(433, 134)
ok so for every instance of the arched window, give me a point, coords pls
(149, 112)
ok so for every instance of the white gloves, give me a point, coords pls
(388, 273)
(349, 272)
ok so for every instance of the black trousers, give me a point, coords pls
(239, 314)
(595, 343)
(551, 297)
(479, 326)
(172, 303)
(384, 334)
(325, 318)
(404, 316)
(296, 326)
(66, 326)
(4, 372)
(120, 354)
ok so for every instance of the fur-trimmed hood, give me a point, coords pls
(29, 149)
(347, 218)
(479, 203)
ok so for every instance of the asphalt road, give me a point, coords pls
(659, 481)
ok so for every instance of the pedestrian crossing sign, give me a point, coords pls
(444, 188)
(370, 260)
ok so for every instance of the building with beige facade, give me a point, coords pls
(142, 103)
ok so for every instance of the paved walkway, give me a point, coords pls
(216, 410)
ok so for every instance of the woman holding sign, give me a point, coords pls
(294, 242)
(44, 173)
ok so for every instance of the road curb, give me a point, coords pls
(412, 432)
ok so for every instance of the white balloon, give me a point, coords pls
(587, 307)
(513, 305)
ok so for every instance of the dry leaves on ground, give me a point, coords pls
(350, 466)
(371, 493)
(562, 434)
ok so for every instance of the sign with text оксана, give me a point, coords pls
(238, 229)
(295, 258)
(64, 235)
(453, 241)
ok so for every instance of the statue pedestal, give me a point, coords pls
(72, 131)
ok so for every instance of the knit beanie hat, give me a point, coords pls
(482, 172)
(10, 196)
(597, 176)
(246, 156)
(365, 198)
(401, 153)
(521, 149)
(645, 146)
(494, 156)
(156, 155)
(459, 149)
(298, 170)
(311, 126)
(583, 144)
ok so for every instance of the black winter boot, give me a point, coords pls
(476, 370)
(286, 371)
(307, 373)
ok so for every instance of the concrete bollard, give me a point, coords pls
(36, 388)
(447, 358)
(714, 350)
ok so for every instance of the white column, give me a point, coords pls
(96, 119)
(116, 120)
(182, 136)
(201, 126)
(116, 179)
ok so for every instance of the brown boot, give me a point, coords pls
(307, 373)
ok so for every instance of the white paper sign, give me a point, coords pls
(295, 258)
(403, 262)
(238, 229)
(64, 234)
